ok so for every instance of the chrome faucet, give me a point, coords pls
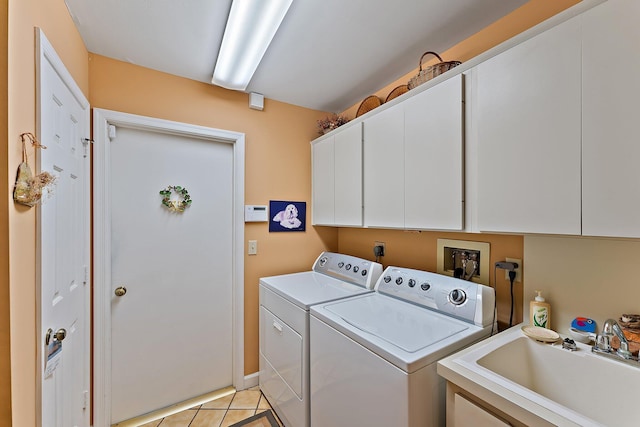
(603, 342)
(611, 325)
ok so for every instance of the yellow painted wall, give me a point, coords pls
(278, 160)
(5, 336)
(281, 128)
(52, 16)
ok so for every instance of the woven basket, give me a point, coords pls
(397, 92)
(431, 71)
(369, 103)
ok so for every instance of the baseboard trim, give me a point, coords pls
(178, 407)
(251, 380)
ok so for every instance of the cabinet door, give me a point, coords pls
(348, 176)
(611, 148)
(384, 169)
(529, 125)
(323, 181)
(467, 413)
(433, 161)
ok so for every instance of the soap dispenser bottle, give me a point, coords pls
(539, 312)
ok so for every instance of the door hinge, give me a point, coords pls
(85, 144)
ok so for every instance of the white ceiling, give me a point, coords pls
(327, 55)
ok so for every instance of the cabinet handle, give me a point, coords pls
(277, 326)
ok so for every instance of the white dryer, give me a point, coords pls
(373, 357)
(284, 326)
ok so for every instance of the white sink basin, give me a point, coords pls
(579, 387)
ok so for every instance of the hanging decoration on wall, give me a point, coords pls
(290, 216)
(29, 188)
(176, 205)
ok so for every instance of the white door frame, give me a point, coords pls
(102, 119)
(46, 52)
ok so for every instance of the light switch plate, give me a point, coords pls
(252, 247)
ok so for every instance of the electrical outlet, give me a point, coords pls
(380, 244)
(518, 270)
(252, 247)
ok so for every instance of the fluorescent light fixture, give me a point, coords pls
(250, 29)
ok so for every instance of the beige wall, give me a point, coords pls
(278, 159)
(590, 277)
(53, 18)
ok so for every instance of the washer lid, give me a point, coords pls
(406, 335)
(308, 288)
(403, 325)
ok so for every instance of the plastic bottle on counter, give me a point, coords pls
(540, 312)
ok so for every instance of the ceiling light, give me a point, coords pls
(250, 29)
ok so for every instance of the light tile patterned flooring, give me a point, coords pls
(221, 412)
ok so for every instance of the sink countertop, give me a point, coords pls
(503, 394)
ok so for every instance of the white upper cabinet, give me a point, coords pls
(337, 178)
(611, 145)
(413, 161)
(323, 181)
(348, 176)
(529, 135)
(433, 157)
(384, 169)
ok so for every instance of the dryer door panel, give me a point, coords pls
(282, 347)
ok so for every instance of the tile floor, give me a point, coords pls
(221, 412)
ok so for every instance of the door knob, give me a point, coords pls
(120, 291)
(59, 335)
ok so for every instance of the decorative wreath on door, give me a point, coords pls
(176, 205)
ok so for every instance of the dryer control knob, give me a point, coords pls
(399, 281)
(387, 279)
(412, 283)
(457, 297)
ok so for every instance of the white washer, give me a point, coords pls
(284, 326)
(373, 357)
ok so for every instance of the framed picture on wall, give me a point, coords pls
(287, 216)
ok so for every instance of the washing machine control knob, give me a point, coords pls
(356, 268)
(412, 283)
(323, 261)
(340, 264)
(457, 297)
(387, 279)
(348, 267)
(364, 272)
(425, 286)
(399, 281)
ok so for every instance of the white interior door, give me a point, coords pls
(63, 245)
(172, 332)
